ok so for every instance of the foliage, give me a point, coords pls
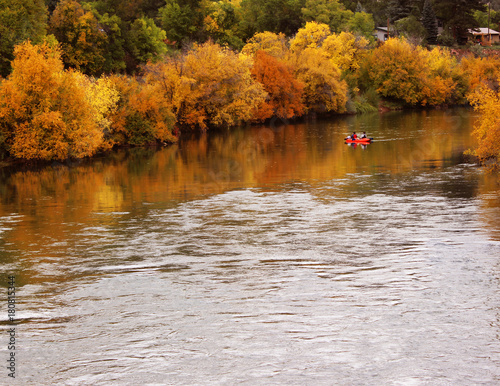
(220, 21)
(409, 73)
(20, 20)
(311, 36)
(270, 15)
(146, 40)
(489, 18)
(329, 12)
(273, 44)
(208, 86)
(285, 92)
(487, 131)
(345, 50)
(458, 16)
(362, 23)
(324, 91)
(82, 40)
(475, 72)
(143, 115)
(114, 53)
(429, 22)
(181, 20)
(48, 113)
(398, 9)
(412, 29)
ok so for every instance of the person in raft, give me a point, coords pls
(363, 135)
(354, 136)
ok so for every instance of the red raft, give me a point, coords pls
(359, 140)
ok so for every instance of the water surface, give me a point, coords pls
(265, 255)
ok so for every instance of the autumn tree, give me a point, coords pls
(409, 73)
(20, 20)
(473, 73)
(311, 36)
(487, 131)
(47, 112)
(284, 91)
(143, 115)
(220, 23)
(345, 50)
(324, 90)
(208, 86)
(82, 40)
(273, 44)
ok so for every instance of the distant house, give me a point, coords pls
(485, 36)
(381, 34)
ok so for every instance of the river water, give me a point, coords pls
(264, 255)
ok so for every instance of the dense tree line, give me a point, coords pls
(84, 76)
(109, 36)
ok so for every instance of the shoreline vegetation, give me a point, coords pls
(64, 99)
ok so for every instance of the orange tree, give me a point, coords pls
(143, 115)
(285, 92)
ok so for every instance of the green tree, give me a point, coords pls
(270, 15)
(458, 16)
(398, 9)
(181, 21)
(146, 41)
(329, 12)
(411, 28)
(114, 53)
(360, 8)
(20, 20)
(220, 23)
(429, 22)
(82, 39)
(363, 24)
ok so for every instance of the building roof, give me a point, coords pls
(382, 28)
(484, 31)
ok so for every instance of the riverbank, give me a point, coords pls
(50, 113)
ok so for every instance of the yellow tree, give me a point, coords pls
(487, 130)
(209, 86)
(400, 70)
(345, 50)
(474, 72)
(324, 90)
(269, 42)
(311, 36)
(46, 112)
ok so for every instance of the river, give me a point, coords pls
(263, 255)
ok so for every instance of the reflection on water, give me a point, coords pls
(265, 255)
